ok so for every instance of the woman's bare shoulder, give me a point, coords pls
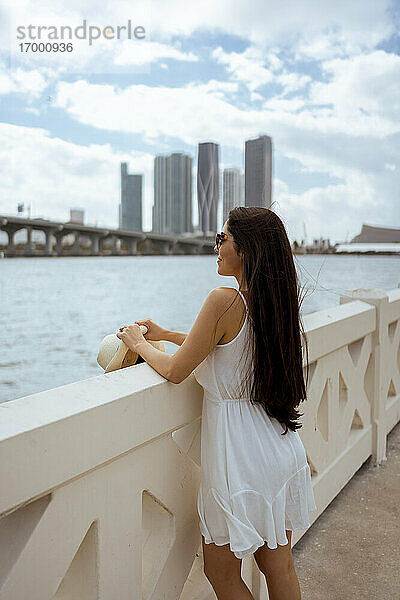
(225, 292)
(225, 295)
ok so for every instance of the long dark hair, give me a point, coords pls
(274, 300)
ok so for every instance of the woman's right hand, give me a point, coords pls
(154, 332)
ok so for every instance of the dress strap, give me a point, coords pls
(244, 299)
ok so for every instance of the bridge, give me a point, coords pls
(95, 241)
(99, 478)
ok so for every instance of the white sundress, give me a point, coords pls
(255, 483)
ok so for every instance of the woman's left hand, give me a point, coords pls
(131, 335)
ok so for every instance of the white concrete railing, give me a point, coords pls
(99, 478)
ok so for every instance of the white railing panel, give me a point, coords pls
(114, 413)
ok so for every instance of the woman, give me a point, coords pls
(245, 350)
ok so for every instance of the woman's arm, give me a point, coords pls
(200, 341)
(175, 338)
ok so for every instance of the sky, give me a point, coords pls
(322, 78)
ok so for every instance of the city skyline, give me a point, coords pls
(172, 188)
(173, 185)
(323, 89)
(169, 177)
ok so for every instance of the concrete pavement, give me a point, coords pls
(352, 549)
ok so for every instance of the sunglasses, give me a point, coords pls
(220, 237)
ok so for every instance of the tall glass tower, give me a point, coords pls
(232, 190)
(258, 171)
(208, 187)
(172, 208)
(130, 210)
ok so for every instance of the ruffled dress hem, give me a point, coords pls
(247, 519)
(248, 551)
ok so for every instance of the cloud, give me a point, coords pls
(349, 26)
(320, 30)
(29, 83)
(149, 52)
(282, 105)
(363, 85)
(188, 111)
(246, 67)
(342, 202)
(292, 82)
(185, 113)
(249, 67)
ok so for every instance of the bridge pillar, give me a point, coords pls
(116, 248)
(102, 241)
(10, 230)
(187, 248)
(59, 249)
(76, 249)
(132, 247)
(164, 246)
(95, 249)
(28, 250)
(10, 245)
(49, 233)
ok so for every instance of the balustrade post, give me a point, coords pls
(381, 379)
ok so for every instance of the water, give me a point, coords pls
(55, 311)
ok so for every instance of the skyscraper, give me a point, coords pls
(130, 210)
(208, 186)
(159, 210)
(232, 190)
(258, 171)
(172, 208)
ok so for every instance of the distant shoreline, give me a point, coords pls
(367, 253)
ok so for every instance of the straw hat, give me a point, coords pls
(115, 354)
